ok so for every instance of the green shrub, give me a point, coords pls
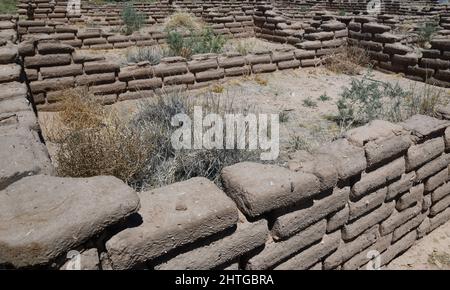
(324, 97)
(150, 54)
(132, 19)
(205, 41)
(309, 102)
(426, 32)
(367, 99)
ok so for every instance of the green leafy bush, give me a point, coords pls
(426, 32)
(205, 41)
(132, 19)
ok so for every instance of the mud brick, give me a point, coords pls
(114, 88)
(237, 71)
(232, 62)
(371, 45)
(399, 247)
(354, 26)
(136, 95)
(273, 252)
(61, 71)
(210, 75)
(94, 41)
(164, 70)
(432, 167)
(441, 44)
(381, 244)
(360, 36)
(399, 218)
(413, 197)
(319, 36)
(440, 205)
(440, 192)
(304, 54)
(367, 203)
(26, 48)
(245, 238)
(258, 59)
(313, 254)
(95, 79)
(409, 59)
(282, 56)
(263, 68)
(431, 53)
(419, 154)
(424, 228)
(408, 226)
(379, 177)
(347, 250)
(32, 74)
(338, 219)
(310, 45)
(47, 60)
(145, 84)
(341, 33)
(54, 48)
(52, 84)
(424, 73)
(64, 36)
(436, 180)
(352, 230)
(386, 37)
(202, 65)
(375, 28)
(380, 150)
(131, 73)
(180, 79)
(439, 219)
(273, 187)
(100, 67)
(397, 48)
(423, 126)
(288, 224)
(348, 159)
(434, 63)
(89, 34)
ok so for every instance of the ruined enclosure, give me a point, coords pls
(86, 99)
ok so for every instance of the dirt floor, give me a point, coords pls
(432, 252)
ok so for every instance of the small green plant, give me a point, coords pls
(132, 19)
(297, 142)
(426, 32)
(324, 97)
(205, 41)
(151, 54)
(342, 12)
(367, 99)
(309, 102)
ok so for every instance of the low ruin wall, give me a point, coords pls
(375, 191)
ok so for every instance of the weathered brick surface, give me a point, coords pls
(352, 230)
(381, 244)
(172, 216)
(247, 237)
(399, 218)
(347, 250)
(275, 252)
(290, 223)
(271, 188)
(436, 180)
(421, 153)
(338, 219)
(367, 203)
(412, 197)
(401, 186)
(379, 177)
(398, 247)
(313, 254)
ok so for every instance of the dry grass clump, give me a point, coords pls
(348, 60)
(183, 22)
(93, 141)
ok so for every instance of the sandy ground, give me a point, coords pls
(304, 126)
(432, 252)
